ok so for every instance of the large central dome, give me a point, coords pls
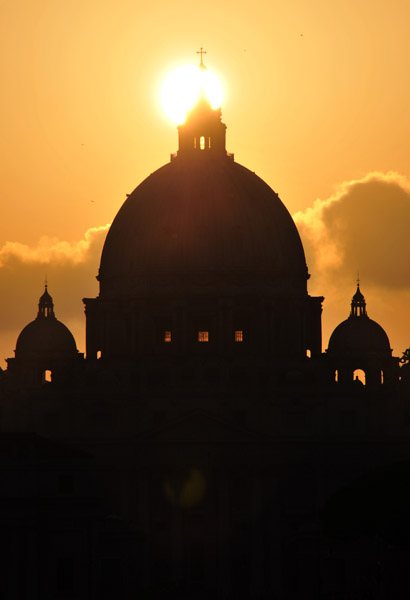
(202, 217)
(203, 250)
(199, 218)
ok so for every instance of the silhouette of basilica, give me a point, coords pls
(222, 439)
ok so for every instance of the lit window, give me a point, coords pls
(209, 142)
(203, 336)
(202, 142)
(239, 335)
(167, 336)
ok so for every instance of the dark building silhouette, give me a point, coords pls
(361, 343)
(44, 345)
(223, 437)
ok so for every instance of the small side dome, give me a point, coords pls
(45, 336)
(358, 334)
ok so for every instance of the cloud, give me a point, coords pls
(362, 229)
(52, 250)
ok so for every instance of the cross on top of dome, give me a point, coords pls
(201, 51)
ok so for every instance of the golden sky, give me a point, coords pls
(316, 103)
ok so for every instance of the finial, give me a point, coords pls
(201, 51)
(46, 282)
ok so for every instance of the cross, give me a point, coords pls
(201, 52)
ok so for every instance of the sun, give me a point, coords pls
(181, 89)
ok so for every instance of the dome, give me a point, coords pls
(359, 334)
(45, 336)
(202, 218)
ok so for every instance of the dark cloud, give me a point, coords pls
(362, 230)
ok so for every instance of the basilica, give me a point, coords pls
(224, 445)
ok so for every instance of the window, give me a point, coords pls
(203, 336)
(167, 336)
(202, 142)
(209, 142)
(47, 376)
(239, 335)
(308, 353)
(359, 377)
(98, 354)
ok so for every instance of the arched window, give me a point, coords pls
(336, 376)
(308, 353)
(359, 377)
(202, 142)
(47, 376)
(99, 354)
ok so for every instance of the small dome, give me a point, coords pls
(358, 334)
(45, 336)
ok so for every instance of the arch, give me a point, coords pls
(98, 354)
(359, 376)
(308, 353)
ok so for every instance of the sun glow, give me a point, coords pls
(182, 88)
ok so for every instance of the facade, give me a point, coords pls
(220, 429)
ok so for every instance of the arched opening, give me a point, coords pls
(336, 376)
(202, 142)
(98, 354)
(359, 377)
(308, 353)
(47, 376)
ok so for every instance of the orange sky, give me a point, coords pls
(316, 94)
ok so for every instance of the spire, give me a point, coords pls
(45, 305)
(358, 303)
